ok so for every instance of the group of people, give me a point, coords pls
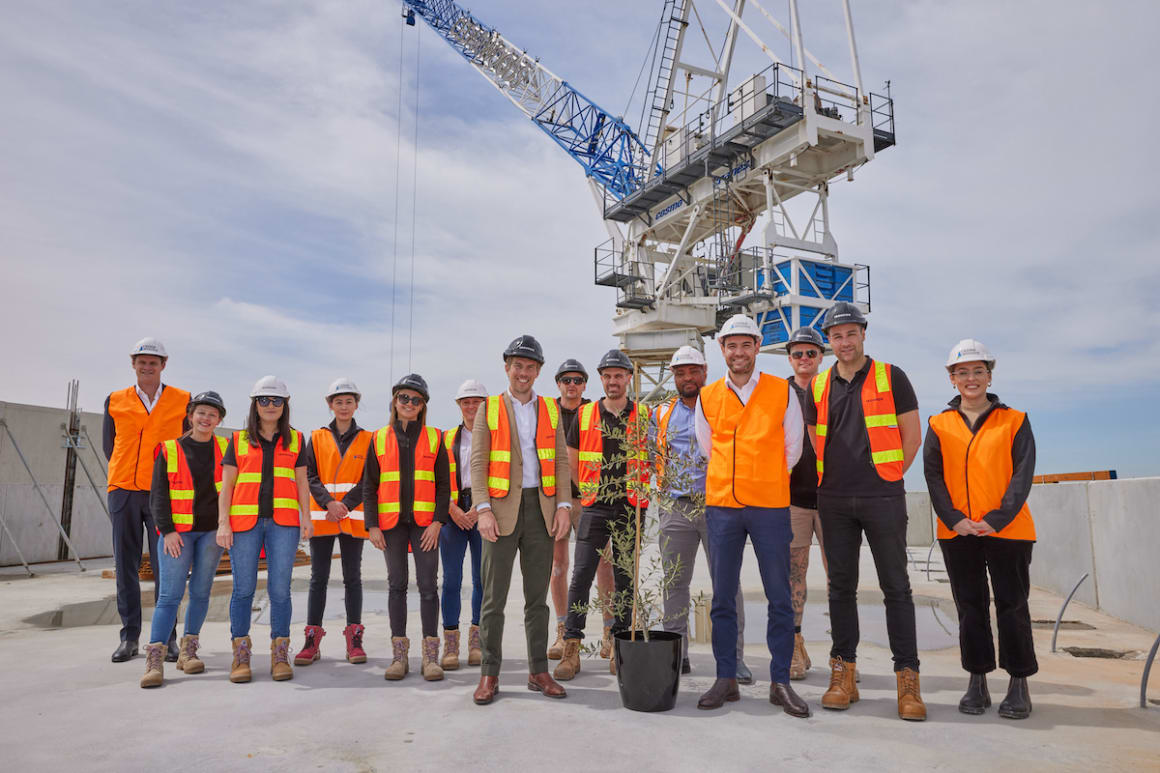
(775, 461)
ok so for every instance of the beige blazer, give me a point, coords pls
(506, 508)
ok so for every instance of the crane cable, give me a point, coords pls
(395, 238)
(414, 199)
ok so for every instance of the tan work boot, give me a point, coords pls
(612, 665)
(280, 668)
(801, 659)
(154, 664)
(187, 659)
(842, 690)
(240, 667)
(570, 662)
(432, 671)
(606, 642)
(910, 705)
(450, 661)
(474, 648)
(399, 667)
(556, 651)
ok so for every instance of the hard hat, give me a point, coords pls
(843, 313)
(343, 386)
(471, 388)
(208, 397)
(412, 381)
(970, 350)
(687, 355)
(149, 346)
(269, 386)
(805, 335)
(740, 325)
(614, 358)
(525, 346)
(571, 366)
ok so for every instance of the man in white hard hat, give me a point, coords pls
(137, 420)
(751, 424)
(681, 481)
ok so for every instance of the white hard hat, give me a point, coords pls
(740, 324)
(343, 386)
(269, 386)
(970, 350)
(471, 388)
(687, 355)
(149, 346)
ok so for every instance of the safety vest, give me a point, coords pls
(977, 467)
(139, 432)
(426, 452)
(450, 438)
(747, 463)
(881, 420)
(663, 414)
(339, 473)
(591, 455)
(499, 462)
(244, 502)
(181, 480)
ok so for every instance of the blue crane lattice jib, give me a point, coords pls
(603, 144)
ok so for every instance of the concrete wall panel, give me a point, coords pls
(1063, 551)
(919, 519)
(1126, 546)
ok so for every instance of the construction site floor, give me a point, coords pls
(65, 705)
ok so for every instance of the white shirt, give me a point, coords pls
(149, 404)
(465, 458)
(792, 423)
(526, 416)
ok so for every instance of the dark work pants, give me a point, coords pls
(426, 577)
(592, 535)
(321, 556)
(883, 520)
(133, 528)
(968, 561)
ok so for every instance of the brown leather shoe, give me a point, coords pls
(910, 705)
(485, 693)
(542, 682)
(722, 690)
(781, 694)
(843, 691)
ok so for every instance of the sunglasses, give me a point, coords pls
(809, 354)
(274, 401)
(408, 400)
(573, 380)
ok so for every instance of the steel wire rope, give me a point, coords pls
(414, 204)
(395, 237)
(651, 52)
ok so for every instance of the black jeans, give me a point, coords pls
(321, 553)
(133, 529)
(968, 561)
(883, 519)
(426, 577)
(591, 537)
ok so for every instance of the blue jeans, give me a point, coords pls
(199, 559)
(453, 543)
(281, 543)
(769, 530)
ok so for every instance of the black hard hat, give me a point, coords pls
(805, 335)
(571, 366)
(843, 313)
(208, 397)
(412, 381)
(614, 358)
(525, 346)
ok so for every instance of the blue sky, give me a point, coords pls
(222, 176)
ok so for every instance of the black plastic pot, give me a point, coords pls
(648, 672)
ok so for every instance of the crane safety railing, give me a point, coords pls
(835, 99)
(633, 279)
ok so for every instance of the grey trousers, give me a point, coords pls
(680, 538)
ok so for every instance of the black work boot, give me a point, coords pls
(977, 698)
(172, 651)
(126, 650)
(1017, 704)
(715, 697)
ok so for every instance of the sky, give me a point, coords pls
(238, 180)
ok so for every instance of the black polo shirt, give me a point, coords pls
(266, 487)
(803, 478)
(849, 469)
(608, 468)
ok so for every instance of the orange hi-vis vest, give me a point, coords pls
(181, 480)
(747, 464)
(977, 468)
(591, 454)
(499, 475)
(449, 439)
(139, 432)
(881, 420)
(339, 473)
(426, 452)
(244, 502)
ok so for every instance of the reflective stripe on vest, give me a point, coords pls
(139, 432)
(747, 463)
(449, 438)
(591, 455)
(244, 504)
(500, 454)
(423, 501)
(181, 485)
(880, 418)
(339, 474)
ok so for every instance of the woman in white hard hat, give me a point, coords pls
(979, 460)
(264, 503)
(184, 503)
(406, 492)
(462, 533)
(335, 457)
